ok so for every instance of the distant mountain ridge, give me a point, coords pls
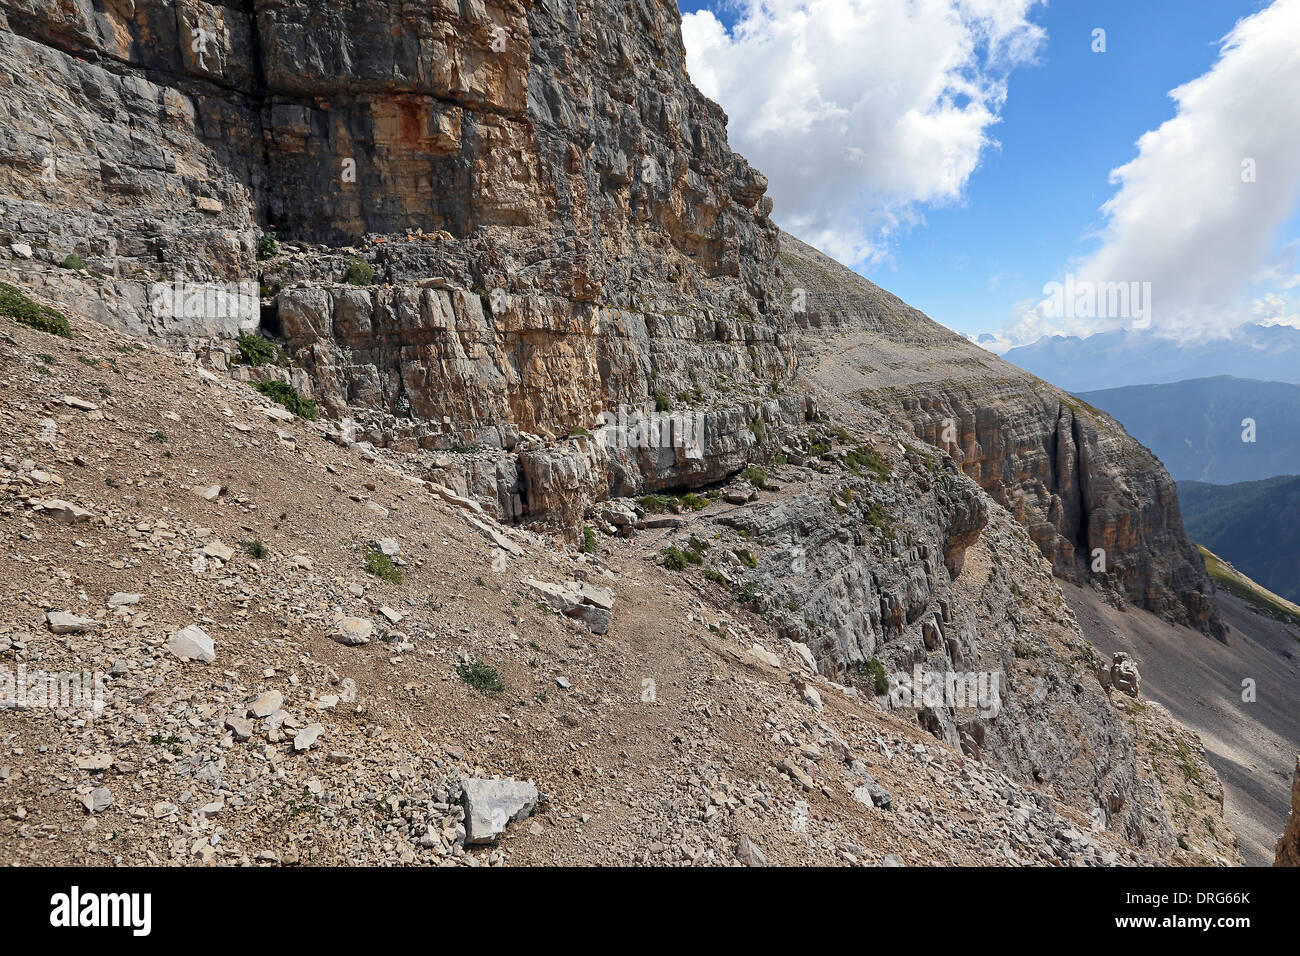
(1254, 524)
(1141, 357)
(1195, 427)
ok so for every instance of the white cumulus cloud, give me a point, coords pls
(858, 111)
(1200, 210)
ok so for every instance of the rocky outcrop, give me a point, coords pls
(1288, 846)
(1099, 506)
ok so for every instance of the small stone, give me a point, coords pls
(208, 492)
(308, 736)
(352, 631)
(122, 599)
(748, 854)
(492, 804)
(219, 550)
(95, 762)
(241, 727)
(64, 622)
(64, 512)
(98, 800)
(268, 703)
(192, 644)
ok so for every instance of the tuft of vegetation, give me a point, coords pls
(746, 558)
(662, 402)
(256, 351)
(874, 672)
(484, 678)
(288, 396)
(676, 560)
(359, 273)
(15, 305)
(714, 575)
(268, 247)
(760, 432)
(864, 458)
(381, 566)
(73, 261)
(255, 548)
(755, 476)
(588, 539)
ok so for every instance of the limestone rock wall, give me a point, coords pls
(1100, 507)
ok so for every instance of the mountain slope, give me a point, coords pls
(739, 751)
(1199, 428)
(1255, 525)
(1068, 472)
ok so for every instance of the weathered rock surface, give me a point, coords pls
(1288, 846)
(1099, 506)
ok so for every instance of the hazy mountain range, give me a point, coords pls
(1195, 427)
(1129, 357)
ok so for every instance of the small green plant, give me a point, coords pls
(158, 437)
(255, 548)
(674, 560)
(267, 246)
(588, 539)
(288, 396)
(755, 476)
(662, 402)
(16, 305)
(73, 261)
(255, 350)
(864, 458)
(874, 671)
(381, 566)
(714, 575)
(750, 592)
(484, 678)
(359, 273)
(746, 558)
(757, 427)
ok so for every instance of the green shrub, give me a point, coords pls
(746, 558)
(675, 559)
(288, 396)
(588, 539)
(760, 432)
(255, 548)
(73, 261)
(484, 678)
(359, 273)
(381, 566)
(874, 671)
(662, 402)
(255, 350)
(267, 246)
(755, 476)
(16, 305)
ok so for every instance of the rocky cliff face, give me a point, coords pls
(1099, 506)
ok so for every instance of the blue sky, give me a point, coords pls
(1031, 206)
